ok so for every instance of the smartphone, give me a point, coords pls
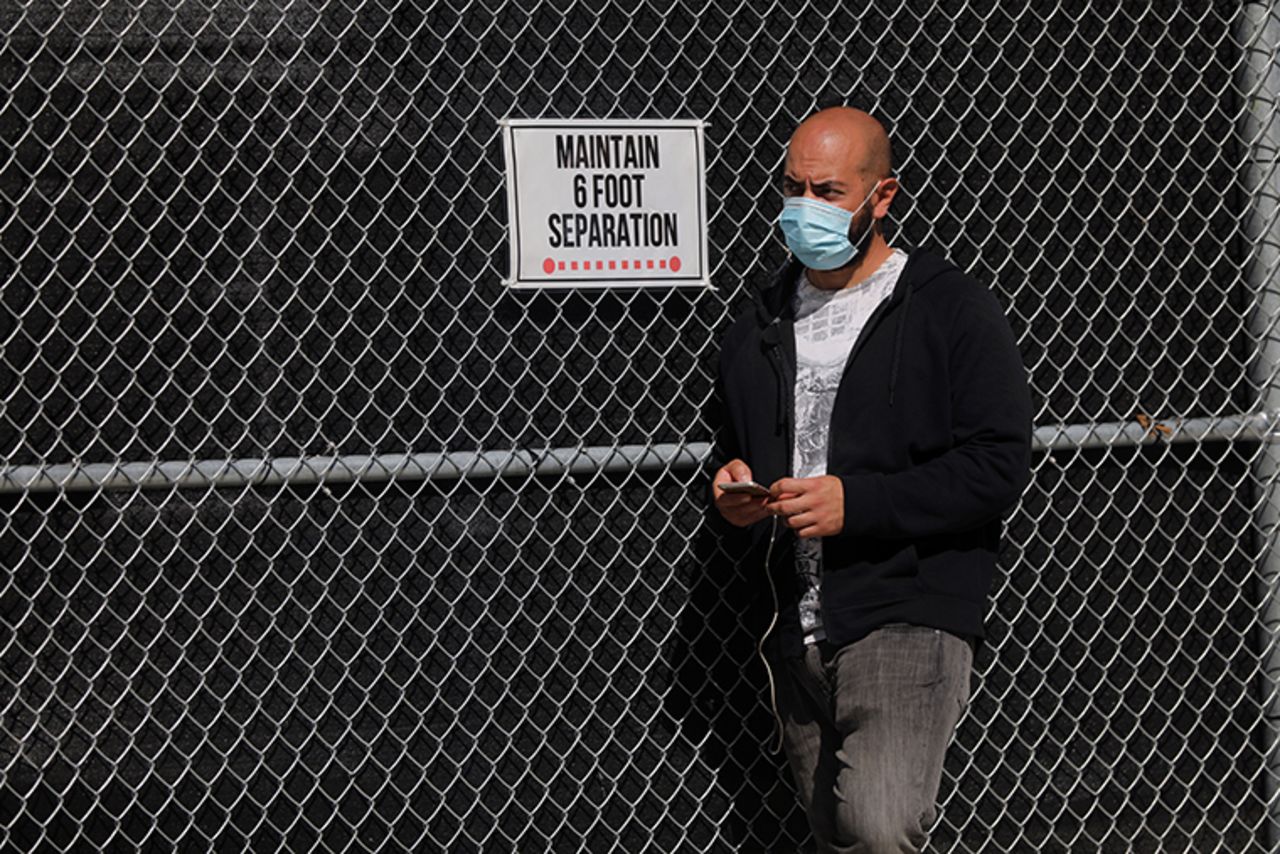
(745, 487)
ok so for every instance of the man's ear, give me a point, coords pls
(884, 197)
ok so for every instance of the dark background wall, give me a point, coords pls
(268, 230)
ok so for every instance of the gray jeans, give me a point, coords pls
(866, 729)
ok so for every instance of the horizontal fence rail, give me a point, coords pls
(552, 462)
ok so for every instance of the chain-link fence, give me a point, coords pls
(314, 536)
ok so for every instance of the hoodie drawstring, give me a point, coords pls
(770, 339)
(897, 344)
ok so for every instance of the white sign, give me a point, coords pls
(597, 203)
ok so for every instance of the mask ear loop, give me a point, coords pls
(773, 691)
(870, 195)
(871, 226)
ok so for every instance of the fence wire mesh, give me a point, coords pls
(259, 230)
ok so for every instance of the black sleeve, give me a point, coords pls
(984, 473)
(724, 441)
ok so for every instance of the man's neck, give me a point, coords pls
(852, 276)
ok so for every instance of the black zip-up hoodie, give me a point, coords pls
(930, 436)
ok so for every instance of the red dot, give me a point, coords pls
(613, 265)
(675, 263)
(599, 265)
(662, 263)
(549, 266)
(573, 265)
(624, 265)
(650, 263)
(560, 266)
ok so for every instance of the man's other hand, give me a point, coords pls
(810, 506)
(740, 510)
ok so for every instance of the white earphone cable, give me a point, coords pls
(773, 621)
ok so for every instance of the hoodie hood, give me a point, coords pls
(773, 303)
(773, 300)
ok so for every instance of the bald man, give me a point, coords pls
(880, 397)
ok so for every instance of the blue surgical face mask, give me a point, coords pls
(818, 233)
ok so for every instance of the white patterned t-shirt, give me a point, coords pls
(827, 325)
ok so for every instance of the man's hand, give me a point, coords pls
(810, 506)
(740, 510)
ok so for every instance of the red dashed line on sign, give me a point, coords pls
(551, 265)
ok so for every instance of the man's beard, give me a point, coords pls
(861, 241)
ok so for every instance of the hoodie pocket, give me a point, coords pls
(864, 572)
(960, 573)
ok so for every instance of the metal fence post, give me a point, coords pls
(1258, 31)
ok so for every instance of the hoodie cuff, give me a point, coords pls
(865, 505)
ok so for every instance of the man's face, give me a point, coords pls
(837, 158)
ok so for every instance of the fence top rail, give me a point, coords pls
(548, 462)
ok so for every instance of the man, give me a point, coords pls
(881, 398)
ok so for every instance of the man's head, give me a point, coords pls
(838, 143)
(841, 156)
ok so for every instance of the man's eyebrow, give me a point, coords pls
(830, 183)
